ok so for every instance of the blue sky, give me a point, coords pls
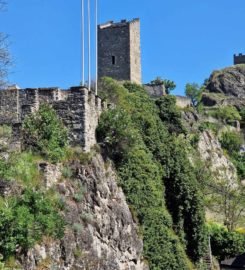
(181, 40)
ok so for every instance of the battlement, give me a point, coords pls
(122, 23)
(239, 59)
(78, 108)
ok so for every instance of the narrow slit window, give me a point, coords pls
(113, 59)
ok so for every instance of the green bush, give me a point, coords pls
(67, 172)
(226, 244)
(116, 133)
(194, 140)
(231, 141)
(227, 114)
(185, 200)
(242, 114)
(77, 227)
(44, 133)
(170, 114)
(239, 161)
(162, 247)
(209, 126)
(147, 160)
(21, 167)
(110, 90)
(24, 220)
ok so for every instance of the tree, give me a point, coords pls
(170, 114)
(169, 85)
(44, 133)
(5, 59)
(194, 92)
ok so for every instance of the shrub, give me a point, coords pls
(226, 244)
(209, 126)
(239, 161)
(22, 168)
(242, 114)
(67, 172)
(77, 227)
(231, 141)
(44, 133)
(227, 114)
(110, 90)
(194, 140)
(170, 114)
(116, 133)
(26, 219)
(4, 169)
(185, 200)
(161, 246)
(141, 181)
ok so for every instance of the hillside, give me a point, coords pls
(160, 181)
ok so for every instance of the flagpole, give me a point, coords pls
(96, 47)
(89, 48)
(83, 45)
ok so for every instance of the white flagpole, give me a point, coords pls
(89, 48)
(83, 45)
(96, 47)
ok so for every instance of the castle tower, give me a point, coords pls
(119, 54)
(239, 59)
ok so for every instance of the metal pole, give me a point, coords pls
(96, 47)
(89, 48)
(83, 45)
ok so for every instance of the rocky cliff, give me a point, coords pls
(100, 232)
(229, 81)
(223, 171)
(226, 87)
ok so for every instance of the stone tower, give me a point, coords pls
(239, 59)
(119, 54)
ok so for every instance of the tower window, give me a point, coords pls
(113, 59)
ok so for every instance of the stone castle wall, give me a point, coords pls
(78, 108)
(113, 41)
(135, 51)
(239, 59)
(119, 53)
(183, 102)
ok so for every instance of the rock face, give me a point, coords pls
(229, 81)
(155, 90)
(212, 154)
(101, 233)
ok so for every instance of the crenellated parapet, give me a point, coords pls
(78, 108)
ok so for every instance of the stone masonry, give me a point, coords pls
(155, 90)
(78, 108)
(119, 52)
(239, 59)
